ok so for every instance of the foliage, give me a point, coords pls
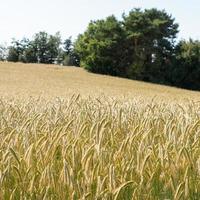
(138, 47)
(69, 56)
(13, 55)
(102, 47)
(151, 34)
(47, 47)
(43, 48)
(30, 53)
(3, 52)
(187, 71)
(15, 51)
(142, 46)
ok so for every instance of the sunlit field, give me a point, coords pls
(25, 80)
(69, 134)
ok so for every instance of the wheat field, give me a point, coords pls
(69, 134)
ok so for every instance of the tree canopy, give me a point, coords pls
(44, 48)
(135, 47)
(186, 72)
(102, 46)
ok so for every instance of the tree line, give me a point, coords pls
(142, 45)
(43, 48)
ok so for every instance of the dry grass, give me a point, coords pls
(117, 146)
(53, 81)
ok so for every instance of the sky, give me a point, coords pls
(24, 18)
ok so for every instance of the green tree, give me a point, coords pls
(16, 50)
(13, 55)
(44, 48)
(186, 71)
(67, 46)
(139, 47)
(41, 43)
(101, 47)
(47, 47)
(151, 34)
(66, 53)
(69, 56)
(30, 53)
(22, 46)
(53, 48)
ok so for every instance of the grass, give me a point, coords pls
(118, 139)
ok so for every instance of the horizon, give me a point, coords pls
(24, 19)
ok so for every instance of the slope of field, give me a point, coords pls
(111, 142)
(18, 79)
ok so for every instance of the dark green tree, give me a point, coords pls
(151, 34)
(30, 53)
(13, 54)
(53, 48)
(22, 46)
(17, 49)
(47, 47)
(70, 57)
(186, 71)
(67, 46)
(66, 53)
(14, 51)
(41, 43)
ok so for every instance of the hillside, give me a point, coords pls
(20, 80)
(116, 144)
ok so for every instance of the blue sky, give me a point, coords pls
(20, 18)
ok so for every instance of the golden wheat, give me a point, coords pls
(117, 140)
(84, 148)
